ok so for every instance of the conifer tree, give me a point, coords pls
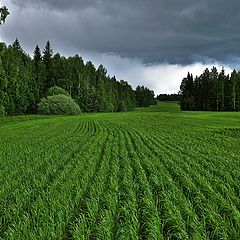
(16, 45)
(214, 97)
(221, 79)
(234, 89)
(47, 60)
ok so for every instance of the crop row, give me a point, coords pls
(91, 178)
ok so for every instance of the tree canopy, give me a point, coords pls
(24, 81)
(212, 90)
(144, 97)
(3, 14)
(168, 97)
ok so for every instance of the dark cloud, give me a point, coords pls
(150, 30)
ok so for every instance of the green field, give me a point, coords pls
(155, 173)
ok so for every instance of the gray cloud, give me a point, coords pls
(162, 78)
(151, 30)
(150, 42)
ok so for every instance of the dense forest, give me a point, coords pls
(24, 81)
(144, 97)
(211, 91)
(168, 97)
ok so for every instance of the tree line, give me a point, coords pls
(211, 91)
(145, 97)
(168, 97)
(24, 81)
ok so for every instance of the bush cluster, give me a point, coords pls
(57, 91)
(58, 105)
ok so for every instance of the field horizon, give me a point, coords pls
(154, 173)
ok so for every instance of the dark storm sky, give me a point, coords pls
(149, 34)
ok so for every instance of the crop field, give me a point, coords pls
(155, 173)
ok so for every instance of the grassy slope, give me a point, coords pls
(154, 173)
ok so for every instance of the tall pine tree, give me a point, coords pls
(47, 60)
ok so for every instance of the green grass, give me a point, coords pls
(155, 173)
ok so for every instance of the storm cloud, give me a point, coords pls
(153, 32)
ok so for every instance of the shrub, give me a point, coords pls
(58, 105)
(57, 91)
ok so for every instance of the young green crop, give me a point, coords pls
(155, 173)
